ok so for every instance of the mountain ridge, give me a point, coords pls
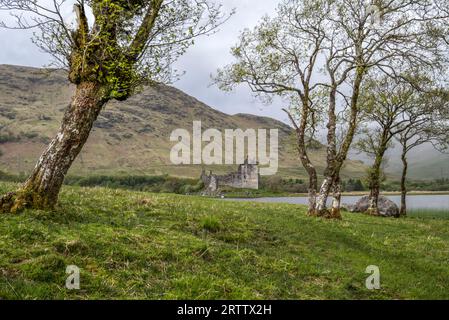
(130, 137)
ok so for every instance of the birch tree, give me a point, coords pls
(345, 40)
(109, 48)
(427, 122)
(362, 37)
(392, 107)
(279, 58)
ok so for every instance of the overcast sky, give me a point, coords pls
(208, 54)
(202, 60)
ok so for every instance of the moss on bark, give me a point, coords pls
(26, 198)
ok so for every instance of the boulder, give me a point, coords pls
(387, 208)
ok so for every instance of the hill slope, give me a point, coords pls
(425, 162)
(130, 137)
(152, 246)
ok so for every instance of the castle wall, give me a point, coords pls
(247, 177)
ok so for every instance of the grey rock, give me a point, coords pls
(387, 208)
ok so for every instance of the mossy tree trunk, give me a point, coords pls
(329, 173)
(303, 154)
(301, 129)
(127, 44)
(403, 211)
(42, 188)
(308, 165)
(336, 157)
(375, 176)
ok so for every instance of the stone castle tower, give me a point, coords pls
(246, 177)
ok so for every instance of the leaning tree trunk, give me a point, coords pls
(403, 211)
(42, 188)
(303, 154)
(307, 164)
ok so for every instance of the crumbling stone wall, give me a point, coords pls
(247, 177)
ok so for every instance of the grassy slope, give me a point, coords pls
(139, 245)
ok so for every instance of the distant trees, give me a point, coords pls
(385, 102)
(349, 40)
(126, 43)
(363, 38)
(277, 184)
(353, 185)
(428, 122)
(411, 110)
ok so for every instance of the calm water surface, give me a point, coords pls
(439, 202)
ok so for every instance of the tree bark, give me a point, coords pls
(303, 154)
(374, 201)
(375, 172)
(307, 163)
(403, 211)
(42, 188)
(329, 173)
(336, 160)
(374, 180)
(321, 206)
(336, 203)
(312, 200)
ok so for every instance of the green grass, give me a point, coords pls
(234, 193)
(429, 214)
(134, 245)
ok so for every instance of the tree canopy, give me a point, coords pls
(119, 43)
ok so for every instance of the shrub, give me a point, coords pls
(273, 184)
(276, 184)
(8, 137)
(140, 183)
(30, 135)
(353, 185)
(128, 135)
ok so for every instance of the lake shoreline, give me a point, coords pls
(426, 201)
(233, 195)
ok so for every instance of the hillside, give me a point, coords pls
(425, 163)
(129, 137)
(131, 245)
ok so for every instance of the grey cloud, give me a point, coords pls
(202, 60)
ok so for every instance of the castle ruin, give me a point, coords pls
(246, 177)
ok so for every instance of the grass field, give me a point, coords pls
(429, 214)
(132, 245)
